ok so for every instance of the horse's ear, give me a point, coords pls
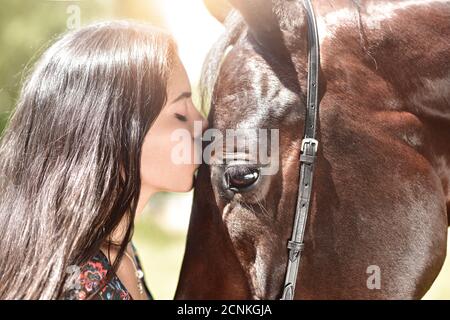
(218, 8)
(261, 20)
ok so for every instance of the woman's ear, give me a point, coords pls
(218, 8)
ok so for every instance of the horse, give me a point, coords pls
(377, 226)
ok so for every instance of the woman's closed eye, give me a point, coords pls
(180, 117)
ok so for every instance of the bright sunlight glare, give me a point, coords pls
(194, 29)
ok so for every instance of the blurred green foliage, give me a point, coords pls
(161, 252)
(28, 27)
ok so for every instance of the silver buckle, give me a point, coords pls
(310, 141)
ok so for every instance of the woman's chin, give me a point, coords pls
(185, 187)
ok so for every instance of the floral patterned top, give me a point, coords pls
(92, 276)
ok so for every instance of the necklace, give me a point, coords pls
(139, 274)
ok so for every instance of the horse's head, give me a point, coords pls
(259, 87)
(255, 77)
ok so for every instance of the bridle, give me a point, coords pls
(309, 148)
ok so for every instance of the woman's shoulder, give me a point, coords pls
(92, 277)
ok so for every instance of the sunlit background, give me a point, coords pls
(27, 27)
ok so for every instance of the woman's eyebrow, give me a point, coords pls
(184, 95)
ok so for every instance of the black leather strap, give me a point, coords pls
(308, 156)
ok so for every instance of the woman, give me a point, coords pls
(89, 142)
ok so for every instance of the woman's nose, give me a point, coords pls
(205, 123)
(197, 117)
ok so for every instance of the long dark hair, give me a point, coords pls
(70, 157)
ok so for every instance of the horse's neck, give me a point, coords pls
(411, 48)
(422, 78)
(405, 42)
(395, 57)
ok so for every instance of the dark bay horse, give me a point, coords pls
(380, 198)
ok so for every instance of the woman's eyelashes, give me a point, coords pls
(180, 117)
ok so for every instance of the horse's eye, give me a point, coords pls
(240, 178)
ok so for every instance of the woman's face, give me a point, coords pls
(168, 162)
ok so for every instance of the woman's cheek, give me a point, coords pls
(161, 169)
(151, 162)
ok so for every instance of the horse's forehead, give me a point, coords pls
(249, 87)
